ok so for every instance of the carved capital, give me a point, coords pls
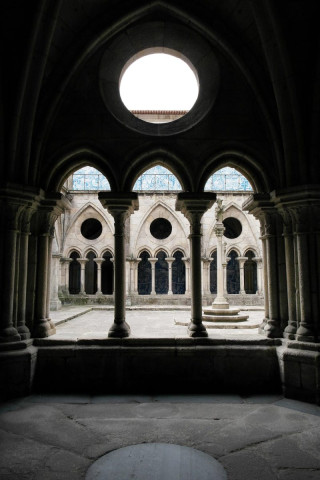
(119, 204)
(286, 220)
(193, 206)
(49, 209)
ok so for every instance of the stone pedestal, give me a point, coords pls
(220, 312)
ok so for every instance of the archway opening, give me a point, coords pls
(91, 274)
(228, 179)
(144, 274)
(107, 274)
(250, 273)
(87, 178)
(161, 274)
(157, 178)
(233, 273)
(178, 274)
(213, 272)
(74, 274)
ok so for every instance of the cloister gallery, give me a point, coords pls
(157, 245)
(256, 69)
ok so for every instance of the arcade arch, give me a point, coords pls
(158, 262)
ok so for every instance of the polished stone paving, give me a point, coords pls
(74, 323)
(58, 437)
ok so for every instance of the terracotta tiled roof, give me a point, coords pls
(159, 112)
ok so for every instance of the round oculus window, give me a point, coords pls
(160, 228)
(181, 43)
(158, 87)
(91, 228)
(233, 227)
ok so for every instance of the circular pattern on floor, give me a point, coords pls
(156, 461)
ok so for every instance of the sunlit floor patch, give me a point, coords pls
(156, 461)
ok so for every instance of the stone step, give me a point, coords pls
(225, 318)
(221, 311)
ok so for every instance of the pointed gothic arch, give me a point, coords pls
(144, 273)
(250, 273)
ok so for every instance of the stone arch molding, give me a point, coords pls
(88, 250)
(100, 214)
(235, 248)
(142, 249)
(253, 248)
(161, 249)
(178, 249)
(107, 250)
(72, 249)
(160, 243)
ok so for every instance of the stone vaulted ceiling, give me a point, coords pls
(264, 120)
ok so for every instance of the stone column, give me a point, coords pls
(291, 328)
(206, 273)
(10, 213)
(23, 330)
(224, 267)
(170, 261)
(99, 262)
(49, 209)
(113, 278)
(51, 237)
(66, 264)
(272, 327)
(153, 262)
(261, 206)
(55, 302)
(135, 275)
(193, 206)
(301, 216)
(242, 261)
(131, 261)
(120, 206)
(258, 261)
(219, 301)
(187, 270)
(82, 262)
(300, 212)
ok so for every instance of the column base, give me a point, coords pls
(24, 332)
(9, 334)
(290, 332)
(44, 328)
(55, 305)
(220, 302)
(272, 329)
(262, 325)
(305, 333)
(289, 336)
(197, 330)
(119, 330)
(305, 338)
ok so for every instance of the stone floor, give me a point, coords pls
(57, 437)
(77, 322)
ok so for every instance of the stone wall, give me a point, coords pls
(85, 205)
